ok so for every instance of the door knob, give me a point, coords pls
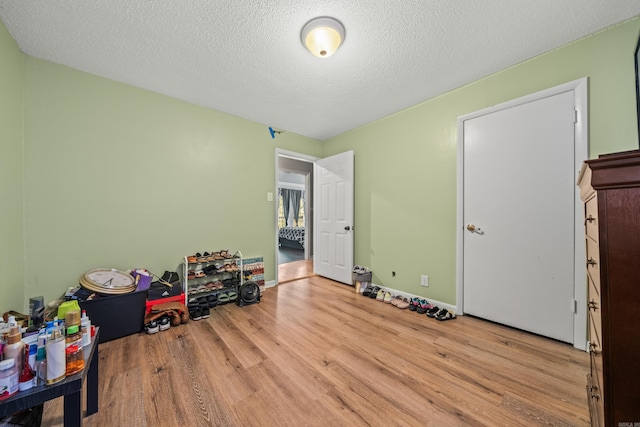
(347, 228)
(471, 228)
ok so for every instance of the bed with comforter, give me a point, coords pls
(291, 237)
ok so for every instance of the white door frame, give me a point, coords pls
(297, 156)
(581, 148)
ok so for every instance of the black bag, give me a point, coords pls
(158, 289)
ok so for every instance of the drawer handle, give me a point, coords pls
(591, 262)
(593, 305)
(590, 219)
(594, 392)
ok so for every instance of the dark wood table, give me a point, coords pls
(70, 388)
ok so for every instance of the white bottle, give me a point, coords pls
(8, 378)
(14, 347)
(85, 325)
(56, 357)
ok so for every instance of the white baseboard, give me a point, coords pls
(270, 284)
(431, 300)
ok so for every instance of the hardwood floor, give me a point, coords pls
(295, 270)
(315, 353)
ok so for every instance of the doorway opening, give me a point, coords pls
(294, 216)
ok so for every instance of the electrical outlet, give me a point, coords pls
(424, 281)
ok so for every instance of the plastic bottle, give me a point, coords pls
(56, 363)
(74, 348)
(41, 359)
(85, 325)
(8, 378)
(27, 378)
(14, 348)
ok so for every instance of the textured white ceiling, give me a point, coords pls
(244, 57)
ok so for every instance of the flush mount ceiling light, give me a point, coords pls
(322, 36)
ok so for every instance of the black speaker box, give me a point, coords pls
(248, 293)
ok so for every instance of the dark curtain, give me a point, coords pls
(295, 204)
(286, 201)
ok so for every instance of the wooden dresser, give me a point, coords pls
(610, 190)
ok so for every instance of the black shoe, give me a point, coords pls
(432, 312)
(212, 300)
(195, 313)
(205, 313)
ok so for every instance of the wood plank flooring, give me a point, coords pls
(315, 353)
(295, 270)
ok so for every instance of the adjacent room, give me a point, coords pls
(348, 181)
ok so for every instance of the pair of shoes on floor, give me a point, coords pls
(373, 293)
(414, 304)
(444, 314)
(199, 313)
(441, 314)
(366, 291)
(161, 324)
(199, 308)
(400, 302)
(423, 306)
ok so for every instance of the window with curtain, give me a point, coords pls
(291, 200)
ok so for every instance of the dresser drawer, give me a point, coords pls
(596, 413)
(591, 218)
(595, 387)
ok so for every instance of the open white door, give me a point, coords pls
(333, 243)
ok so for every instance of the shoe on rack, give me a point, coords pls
(195, 313)
(223, 298)
(212, 300)
(205, 313)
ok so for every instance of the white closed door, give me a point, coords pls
(333, 240)
(519, 219)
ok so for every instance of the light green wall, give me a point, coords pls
(121, 177)
(12, 295)
(116, 176)
(405, 164)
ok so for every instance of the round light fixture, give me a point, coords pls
(322, 36)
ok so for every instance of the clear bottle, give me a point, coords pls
(8, 378)
(85, 325)
(74, 348)
(41, 359)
